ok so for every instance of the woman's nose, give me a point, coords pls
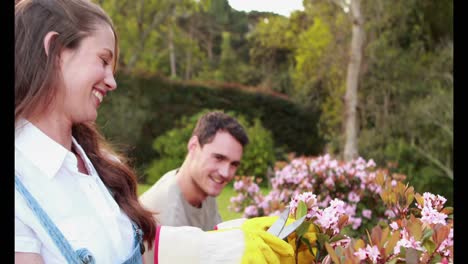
(110, 81)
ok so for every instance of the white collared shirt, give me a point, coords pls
(79, 205)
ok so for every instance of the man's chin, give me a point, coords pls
(215, 193)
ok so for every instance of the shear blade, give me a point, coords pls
(291, 228)
(279, 224)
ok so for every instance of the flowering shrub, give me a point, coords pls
(408, 232)
(419, 234)
(352, 182)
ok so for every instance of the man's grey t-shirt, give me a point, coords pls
(166, 198)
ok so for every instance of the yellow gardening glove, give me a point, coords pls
(304, 255)
(263, 247)
(245, 241)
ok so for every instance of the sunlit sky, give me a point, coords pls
(282, 7)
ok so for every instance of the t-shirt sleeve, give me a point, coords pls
(25, 238)
(217, 217)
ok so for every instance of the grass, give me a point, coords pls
(142, 188)
(223, 201)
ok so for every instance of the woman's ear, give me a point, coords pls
(48, 39)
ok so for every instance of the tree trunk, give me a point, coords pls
(352, 81)
(188, 65)
(209, 48)
(188, 59)
(172, 53)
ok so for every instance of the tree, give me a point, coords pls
(353, 76)
(271, 45)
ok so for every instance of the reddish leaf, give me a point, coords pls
(332, 253)
(441, 232)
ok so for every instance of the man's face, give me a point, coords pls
(215, 164)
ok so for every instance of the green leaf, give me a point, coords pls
(322, 238)
(301, 209)
(302, 229)
(429, 245)
(337, 238)
(412, 256)
(307, 242)
(436, 259)
(427, 234)
(392, 242)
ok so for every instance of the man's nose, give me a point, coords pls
(225, 171)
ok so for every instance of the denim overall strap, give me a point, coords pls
(138, 247)
(78, 257)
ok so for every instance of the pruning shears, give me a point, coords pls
(279, 227)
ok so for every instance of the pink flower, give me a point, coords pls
(407, 242)
(394, 225)
(238, 185)
(253, 189)
(389, 213)
(371, 253)
(448, 242)
(431, 216)
(353, 197)
(250, 211)
(370, 163)
(367, 213)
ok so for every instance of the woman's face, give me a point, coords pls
(87, 75)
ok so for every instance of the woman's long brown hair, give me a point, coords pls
(37, 83)
(117, 175)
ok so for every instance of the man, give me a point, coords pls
(187, 196)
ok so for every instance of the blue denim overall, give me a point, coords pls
(81, 255)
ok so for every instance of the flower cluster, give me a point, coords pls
(407, 239)
(352, 182)
(420, 232)
(338, 197)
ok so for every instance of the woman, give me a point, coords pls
(65, 58)
(75, 198)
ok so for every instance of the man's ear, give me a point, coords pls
(48, 39)
(193, 143)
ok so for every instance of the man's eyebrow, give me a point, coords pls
(219, 155)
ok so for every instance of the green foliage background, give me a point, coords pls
(144, 108)
(405, 90)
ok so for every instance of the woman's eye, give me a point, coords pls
(104, 62)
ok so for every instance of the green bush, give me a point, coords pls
(258, 155)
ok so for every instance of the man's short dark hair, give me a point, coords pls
(212, 122)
